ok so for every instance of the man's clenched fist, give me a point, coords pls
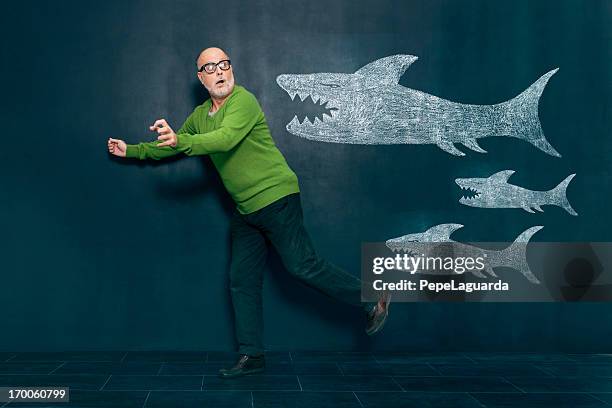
(165, 136)
(116, 147)
(165, 132)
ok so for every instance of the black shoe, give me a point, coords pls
(245, 365)
(378, 315)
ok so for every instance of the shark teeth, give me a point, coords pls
(294, 122)
(329, 112)
(316, 98)
(473, 193)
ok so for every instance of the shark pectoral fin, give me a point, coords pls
(472, 144)
(448, 147)
(477, 273)
(526, 208)
(490, 271)
(537, 207)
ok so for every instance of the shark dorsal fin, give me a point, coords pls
(442, 232)
(501, 176)
(387, 70)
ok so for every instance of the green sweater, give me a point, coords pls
(238, 140)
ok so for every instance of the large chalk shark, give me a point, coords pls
(495, 192)
(370, 107)
(514, 256)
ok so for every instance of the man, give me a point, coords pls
(232, 129)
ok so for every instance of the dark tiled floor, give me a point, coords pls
(316, 379)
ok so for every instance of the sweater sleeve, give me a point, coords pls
(241, 115)
(149, 150)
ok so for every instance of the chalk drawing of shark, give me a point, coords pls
(514, 256)
(495, 192)
(370, 107)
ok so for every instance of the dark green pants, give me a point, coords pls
(282, 223)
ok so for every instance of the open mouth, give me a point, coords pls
(220, 82)
(469, 193)
(314, 108)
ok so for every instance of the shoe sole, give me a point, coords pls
(379, 328)
(251, 371)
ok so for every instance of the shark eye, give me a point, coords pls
(332, 85)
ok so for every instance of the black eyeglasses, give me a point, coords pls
(211, 67)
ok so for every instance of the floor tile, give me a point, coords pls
(423, 358)
(187, 368)
(348, 383)
(161, 356)
(28, 367)
(490, 369)
(154, 382)
(253, 383)
(316, 368)
(361, 368)
(517, 357)
(577, 369)
(74, 382)
(562, 384)
(70, 356)
(591, 358)
(607, 397)
(389, 369)
(129, 367)
(199, 399)
(455, 384)
(4, 356)
(331, 356)
(543, 400)
(409, 369)
(304, 399)
(416, 400)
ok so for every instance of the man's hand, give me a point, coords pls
(116, 147)
(165, 132)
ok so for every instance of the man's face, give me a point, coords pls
(220, 83)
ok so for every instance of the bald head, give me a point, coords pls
(211, 54)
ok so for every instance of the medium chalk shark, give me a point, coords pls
(514, 256)
(495, 192)
(370, 107)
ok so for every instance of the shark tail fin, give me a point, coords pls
(525, 107)
(517, 253)
(559, 194)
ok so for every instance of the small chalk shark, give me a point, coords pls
(514, 256)
(370, 107)
(495, 192)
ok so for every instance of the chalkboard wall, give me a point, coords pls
(103, 253)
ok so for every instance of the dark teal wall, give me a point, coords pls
(105, 253)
